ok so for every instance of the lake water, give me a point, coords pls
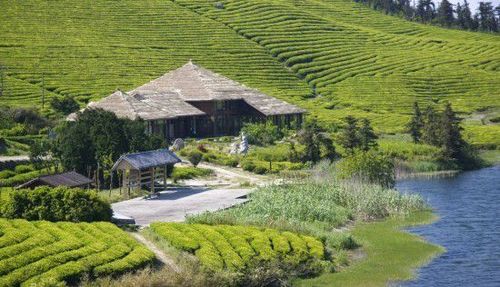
(469, 228)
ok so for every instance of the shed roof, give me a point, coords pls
(169, 96)
(147, 159)
(70, 179)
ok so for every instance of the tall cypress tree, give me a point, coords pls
(349, 137)
(431, 127)
(367, 137)
(416, 124)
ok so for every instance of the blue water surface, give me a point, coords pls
(469, 228)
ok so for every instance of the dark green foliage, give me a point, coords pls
(431, 127)
(371, 167)
(317, 142)
(416, 123)
(262, 133)
(354, 137)
(349, 136)
(56, 204)
(195, 157)
(445, 15)
(64, 105)
(367, 137)
(98, 137)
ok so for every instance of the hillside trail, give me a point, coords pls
(160, 255)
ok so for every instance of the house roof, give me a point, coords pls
(147, 159)
(169, 95)
(70, 179)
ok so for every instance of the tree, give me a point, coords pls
(416, 124)
(316, 141)
(487, 19)
(431, 128)
(425, 10)
(367, 137)
(464, 16)
(450, 135)
(97, 138)
(65, 105)
(349, 137)
(445, 14)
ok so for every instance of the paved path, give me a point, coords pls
(174, 205)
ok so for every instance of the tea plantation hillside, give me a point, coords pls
(331, 57)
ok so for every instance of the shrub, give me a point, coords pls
(4, 174)
(370, 166)
(248, 165)
(23, 168)
(56, 204)
(195, 158)
(189, 172)
(65, 105)
(262, 133)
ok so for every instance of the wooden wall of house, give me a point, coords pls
(223, 118)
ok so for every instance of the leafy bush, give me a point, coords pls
(22, 168)
(4, 174)
(195, 158)
(65, 105)
(370, 166)
(189, 172)
(262, 133)
(56, 204)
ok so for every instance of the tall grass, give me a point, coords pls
(317, 205)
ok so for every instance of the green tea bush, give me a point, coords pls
(238, 248)
(41, 253)
(56, 204)
(23, 168)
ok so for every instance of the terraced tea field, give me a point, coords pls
(332, 57)
(236, 247)
(48, 254)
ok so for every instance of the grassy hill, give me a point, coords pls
(331, 57)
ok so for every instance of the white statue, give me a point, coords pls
(243, 144)
(178, 145)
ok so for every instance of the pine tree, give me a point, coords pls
(416, 124)
(367, 137)
(349, 137)
(431, 127)
(450, 135)
(425, 10)
(445, 14)
(467, 16)
(487, 20)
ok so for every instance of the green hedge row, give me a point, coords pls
(234, 248)
(41, 253)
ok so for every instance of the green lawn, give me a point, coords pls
(391, 254)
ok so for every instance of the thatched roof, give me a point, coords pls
(147, 159)
(169, 95)
(70, 179)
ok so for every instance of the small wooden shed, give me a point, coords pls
(69, 179)
(145, 168)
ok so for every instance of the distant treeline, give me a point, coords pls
(459, 16)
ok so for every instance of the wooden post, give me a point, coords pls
(152, 170)
(120, 182)
(165, 177)
(110, 183)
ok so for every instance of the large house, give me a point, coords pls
(194, 102)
